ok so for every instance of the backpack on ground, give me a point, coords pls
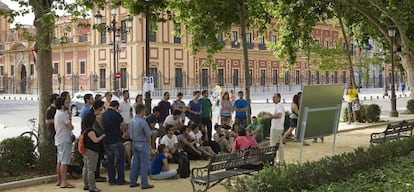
(183, 166)
(81, 144)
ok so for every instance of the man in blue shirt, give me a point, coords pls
(140, 134)
(88, 98)
(114, 126)
(241, 106)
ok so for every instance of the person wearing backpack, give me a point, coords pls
(160, 169)
(92, 142)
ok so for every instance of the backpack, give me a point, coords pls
(81, 144)
(183, 166)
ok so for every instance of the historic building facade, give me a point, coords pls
(84, 58)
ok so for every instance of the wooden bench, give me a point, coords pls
(394, 131)
(224, 166)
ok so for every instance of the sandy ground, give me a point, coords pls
(345, 142)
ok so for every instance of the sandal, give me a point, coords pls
(68, 185)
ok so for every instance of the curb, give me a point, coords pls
(27, 182)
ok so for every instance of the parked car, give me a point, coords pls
(77, 102)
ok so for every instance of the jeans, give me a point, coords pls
(206, 121)
(140, 162)
(276, 137)
(164, 174)
(241, 122)
(89, 159)
(115, 154)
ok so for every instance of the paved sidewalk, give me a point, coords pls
(348, 138)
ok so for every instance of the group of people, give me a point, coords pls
(121, 133)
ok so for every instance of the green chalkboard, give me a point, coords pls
(319, 123)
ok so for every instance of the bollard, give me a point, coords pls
(267, 100)
(284, 101)
(20, 98)
(365, 98)
(377, 97)
(371, 97)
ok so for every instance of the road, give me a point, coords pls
(15, 113)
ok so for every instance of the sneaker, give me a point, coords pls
(100, 179)
(85, 188)
(147, 187)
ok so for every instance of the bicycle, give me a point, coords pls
(33, 133)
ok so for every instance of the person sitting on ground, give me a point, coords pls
(255, 129)
(188, 145)
(171, 141)
(159, 166)
(220, 137)
(174, 120)
(195, 134)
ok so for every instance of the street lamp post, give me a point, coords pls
(117, 32)
(393, 112)
(147, 56)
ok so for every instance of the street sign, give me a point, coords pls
(118, 75)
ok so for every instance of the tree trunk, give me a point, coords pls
(407, 61)
(44, 31)
(245, 56)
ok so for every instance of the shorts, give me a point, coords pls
(350, 108)
(64, 153)
(293, 123)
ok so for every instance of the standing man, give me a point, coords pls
(276, 129)
(63, 142)
(352, 93)
(125, 107)
(140, 134)
(114, 126)
(206, 114)
(165, 106)
(108, 98)
(88, 98)
(241, 106)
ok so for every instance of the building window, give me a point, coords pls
(327, 44)
(103, 36)
(250, 77)
(12, 70)
(124, 34)
(309, 76)
(351, 51)
(327, 77)
(177, 38)
(32, 69)
(82, 66)
(152, 33)
(343, 76)
(1, 70)
(55, 68)
(318, 77)
(316, 41)
(179, 77)
(154, 73)
(274, 39)
(234, 40)
(124, 75)
(262, 44)
(220, 77)
(221, 39)
(204, 78)
(297, 77)
(275, 77)
(235, 77)
(102, 78)
(249, 41)
(68, 68)
(287, 78)
(262, 77)
(335, 77)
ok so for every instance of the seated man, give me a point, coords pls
(171, 141)
(174, 120)
(152, 120)
(220, 137)
(255, 130)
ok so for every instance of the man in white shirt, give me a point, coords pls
(171, 140)
(276, 129)
(174, 120)
(63, 142)
(125, 107)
